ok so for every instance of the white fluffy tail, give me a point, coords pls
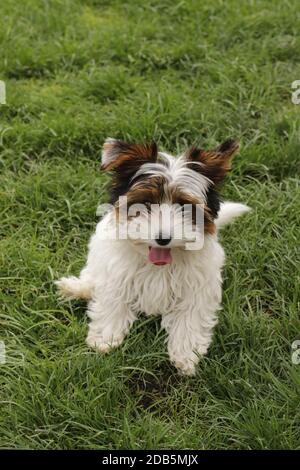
(229, 211)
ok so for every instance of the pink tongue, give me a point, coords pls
(160, 256)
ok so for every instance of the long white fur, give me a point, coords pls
(177, 172)
(120, 283)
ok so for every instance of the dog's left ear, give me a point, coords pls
(118, 155)
(215, 164)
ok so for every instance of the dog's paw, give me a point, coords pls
(187, 367)
(186, 363)
(65, 288)
(73, 288)
(100, 344)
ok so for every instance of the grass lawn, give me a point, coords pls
(179, 73)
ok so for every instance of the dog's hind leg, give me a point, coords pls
(75, 287)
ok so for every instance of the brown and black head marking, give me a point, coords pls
(215, 165)
(124, 160)
(195, 178)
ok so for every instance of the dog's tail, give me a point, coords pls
(229, 211)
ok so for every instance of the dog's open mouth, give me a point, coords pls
(159, 256)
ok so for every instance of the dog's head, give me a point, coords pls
(168, 203)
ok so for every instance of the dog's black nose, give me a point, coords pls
(162, 240)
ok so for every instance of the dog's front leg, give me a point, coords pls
(189, 336)
(110, 322)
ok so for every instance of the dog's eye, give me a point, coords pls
(147, 204)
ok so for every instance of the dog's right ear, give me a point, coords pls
(118, 155)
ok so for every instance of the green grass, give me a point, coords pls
(192, 71)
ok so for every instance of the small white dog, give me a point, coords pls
(178, 277)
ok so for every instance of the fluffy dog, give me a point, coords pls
(146, 267)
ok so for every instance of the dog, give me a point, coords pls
(158, 273)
